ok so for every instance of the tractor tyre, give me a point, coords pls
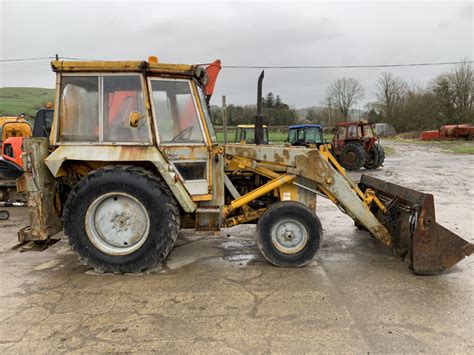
(289, 234)
(373, 157)
(353, 156)
(381, 153)
(121, 219)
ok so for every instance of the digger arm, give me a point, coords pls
(400, 221)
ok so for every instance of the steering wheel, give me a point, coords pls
(184, 134)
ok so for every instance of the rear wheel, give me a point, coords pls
(353, 156)
(289, 234)
(373, 157)
(381, 154)
(121, 219)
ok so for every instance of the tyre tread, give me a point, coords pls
(159, 187)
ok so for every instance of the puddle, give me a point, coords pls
(47, 265)
(230, 245)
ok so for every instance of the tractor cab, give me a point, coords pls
(306, 134)
(245, 134)
(43, 122)
(14, 127)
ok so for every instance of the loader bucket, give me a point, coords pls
(411, 222)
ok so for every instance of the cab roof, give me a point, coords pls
(249, 126)
(306, 126)
(185, 70)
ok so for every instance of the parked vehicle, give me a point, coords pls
(245, 134)
(355, 145)
(306, 134)
(123, 182)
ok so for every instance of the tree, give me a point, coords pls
(391, 91)
(454, 92)
(344, 93)
(444, 94)
(418, 111)
(462, 82)
(270, 100)
(312, 116)
(278, 101)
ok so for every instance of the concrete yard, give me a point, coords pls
(216, 293)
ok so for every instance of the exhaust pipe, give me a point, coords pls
(258, 116)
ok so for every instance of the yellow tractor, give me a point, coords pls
(246, 134)
(133, 157)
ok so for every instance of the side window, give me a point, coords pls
(176, 114)
(292, 136)
(80, 113)
(352, 132)
(79, 109)
(301, 135)
(123, 95)
(340, 133)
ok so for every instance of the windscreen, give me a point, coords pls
(176, 114)
(313, 135)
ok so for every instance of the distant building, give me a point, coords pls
(384, 129)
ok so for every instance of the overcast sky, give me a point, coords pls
(241, 33)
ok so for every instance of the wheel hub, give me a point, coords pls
(117, 223)
(289, 236)
(350, 157)
(121, 221)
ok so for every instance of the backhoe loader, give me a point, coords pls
(133, 157)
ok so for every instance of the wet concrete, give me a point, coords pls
(216, 293)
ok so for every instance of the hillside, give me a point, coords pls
(14, 101)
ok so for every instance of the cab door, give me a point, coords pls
(180, 133)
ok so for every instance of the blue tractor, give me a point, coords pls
(305, 134)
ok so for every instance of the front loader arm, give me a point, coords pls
(397, 222)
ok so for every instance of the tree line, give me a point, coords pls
(447, 99)
(274, 110)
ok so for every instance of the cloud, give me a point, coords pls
(241, 33)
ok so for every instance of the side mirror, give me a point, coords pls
(134, 118)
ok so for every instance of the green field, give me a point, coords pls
(452, 146)
(14, 101)
(275, 137)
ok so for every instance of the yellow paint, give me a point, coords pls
(288, 192)
(371, 197)
(206, 197)
(121, 66)
(249, 126)
(259, 191)
(14, 127)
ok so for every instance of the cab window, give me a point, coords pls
(98, 109)
(176, 114)
(207, 115)
(292, 136)
(79, 109)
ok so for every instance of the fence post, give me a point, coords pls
(224, 118)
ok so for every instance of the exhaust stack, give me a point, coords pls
(258, 116)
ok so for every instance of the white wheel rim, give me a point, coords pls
(117, 223)
(289, 236)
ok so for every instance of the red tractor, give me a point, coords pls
(356, 145)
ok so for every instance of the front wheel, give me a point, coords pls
(121, 219)
(289, 234)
